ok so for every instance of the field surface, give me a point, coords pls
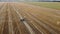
(53, 5)
(23, 18)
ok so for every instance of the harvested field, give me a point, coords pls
(23, 18)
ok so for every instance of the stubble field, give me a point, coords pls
(23, 18)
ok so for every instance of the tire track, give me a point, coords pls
(48, 27)
(10, 21)
(15, 27)
(33, 24)
(28, 26)
(5, 29)
(51, 26)
(3, 19)
(21, 27)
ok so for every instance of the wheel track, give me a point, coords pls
(51, 26)
(30, 24)
(28, 27)
(21, 27)
(3, 20)
(15, 27)
(50, 30)
(35, 26)
(5, 29)
(10, 22)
